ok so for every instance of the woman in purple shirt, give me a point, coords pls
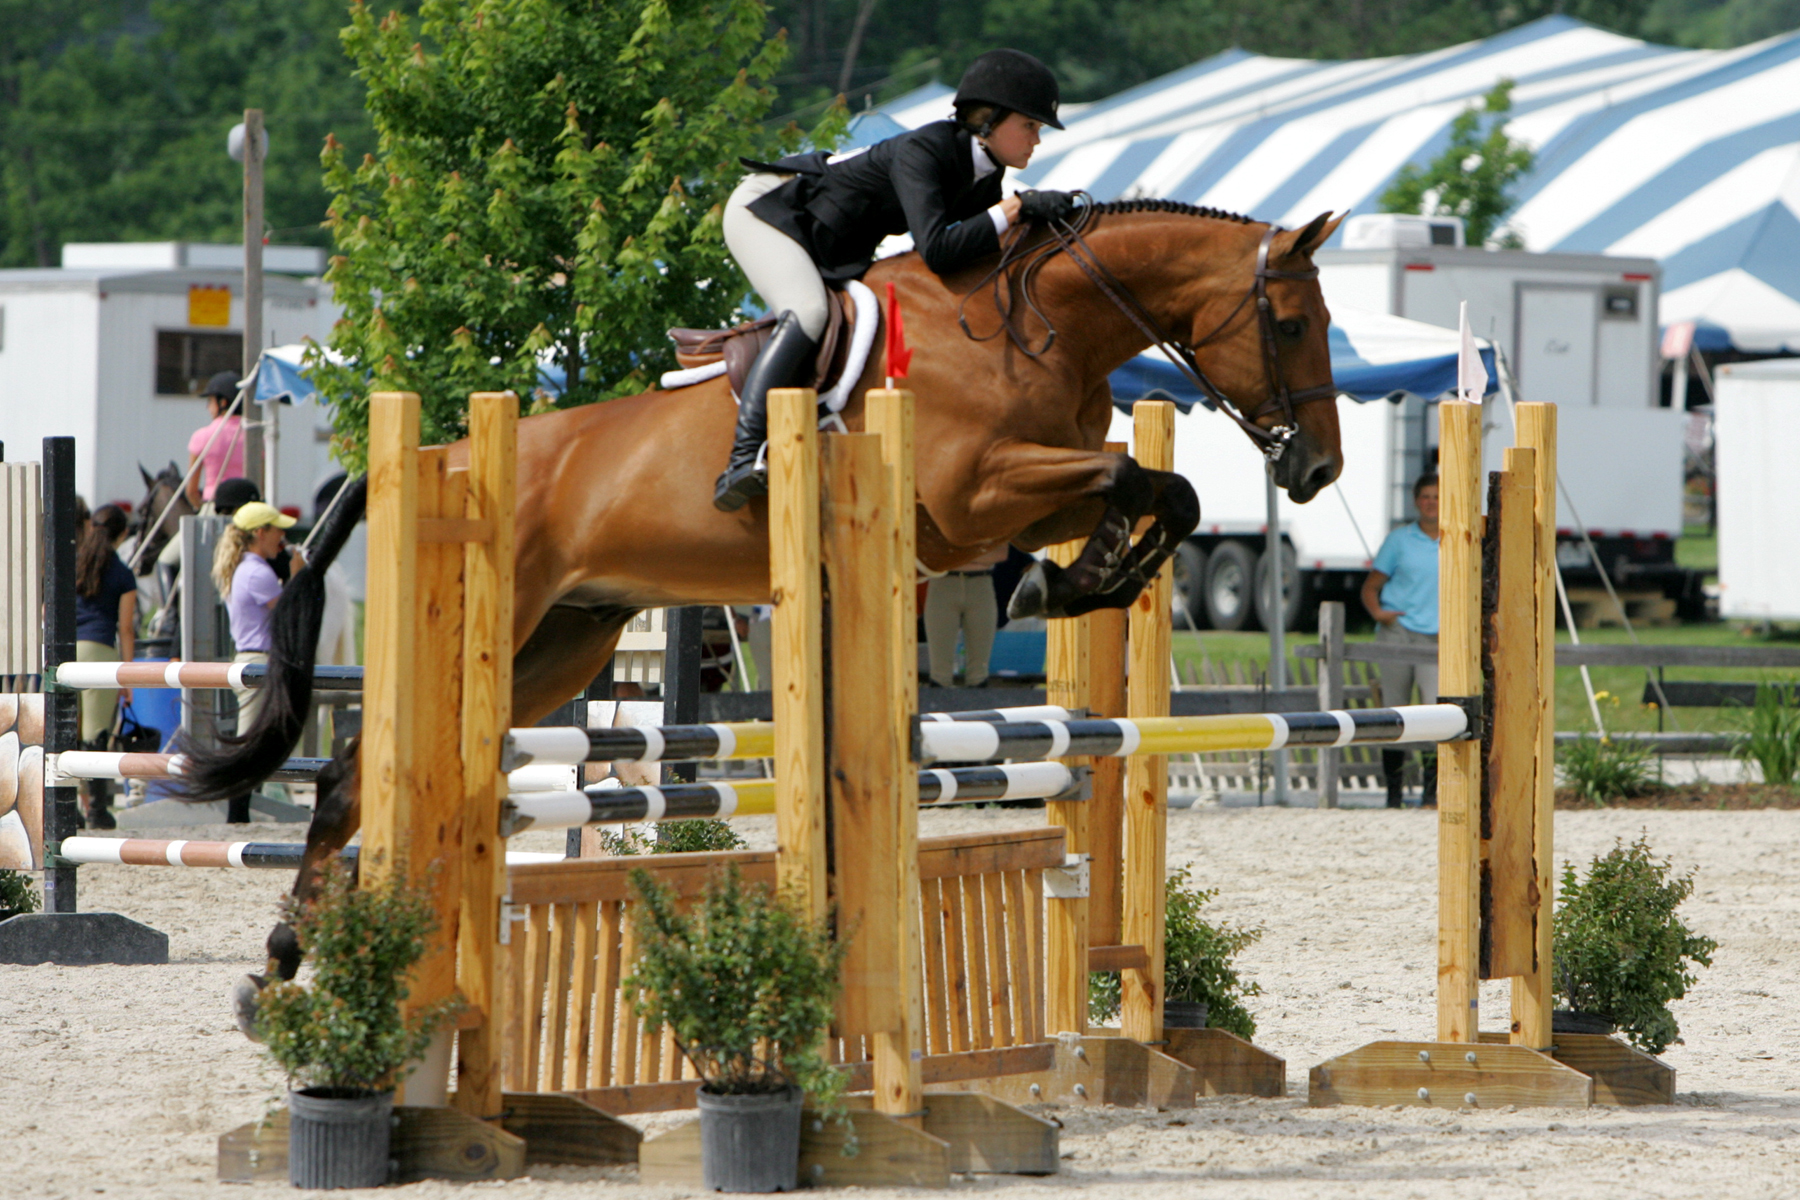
(242, 573)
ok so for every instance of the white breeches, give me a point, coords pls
(778, 267)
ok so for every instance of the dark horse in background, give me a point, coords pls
(150, 531)
(615, 507)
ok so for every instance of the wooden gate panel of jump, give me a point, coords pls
(569, 1025)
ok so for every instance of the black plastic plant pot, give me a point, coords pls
(1564, 1021)
(338, 1137)
(1184, 1014)
(750, 1143)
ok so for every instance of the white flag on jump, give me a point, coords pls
(1471, 375)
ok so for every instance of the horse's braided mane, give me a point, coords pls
(1169, 206)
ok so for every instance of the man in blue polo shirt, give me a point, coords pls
(1401, 593)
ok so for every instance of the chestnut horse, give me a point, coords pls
(615, 507)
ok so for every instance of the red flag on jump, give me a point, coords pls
(899, 358)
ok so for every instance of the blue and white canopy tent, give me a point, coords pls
(1691, 157)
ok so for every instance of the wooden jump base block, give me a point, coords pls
(1495, 811)
(194, 675)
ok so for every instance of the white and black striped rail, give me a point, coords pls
(195, 675)
(602, 805)
(107, 764)
(275, 856)
(1121, 737)
(688, 743)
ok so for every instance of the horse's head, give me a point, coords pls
(160, 490)
(1259, 351)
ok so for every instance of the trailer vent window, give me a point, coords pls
(185, 361)
(1622, 303)
(1443, 234)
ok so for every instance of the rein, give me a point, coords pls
(1067, 239)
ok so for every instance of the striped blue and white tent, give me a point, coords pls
(1691, 157)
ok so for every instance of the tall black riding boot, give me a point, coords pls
(99, 807)
(1428, 763)
(784, 362)
(1393, 768)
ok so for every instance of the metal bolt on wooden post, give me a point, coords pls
(1531, 1001)
(1459, 763)
(1147, 776)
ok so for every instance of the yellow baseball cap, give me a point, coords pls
(256, 514)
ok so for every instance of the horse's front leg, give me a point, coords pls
(337, 814)
(1110, 571)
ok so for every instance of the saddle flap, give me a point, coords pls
(739, 345)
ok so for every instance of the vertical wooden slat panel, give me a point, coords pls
(627, 1052)
(937, 1003)
(999, 995)
(562, 970)
(1037, 959)
(514, 1008)
(1459, 763)
(1019, 954)
(975, 944)
(578, 1051)
(956, 973)
(606, 996)
(537, 953)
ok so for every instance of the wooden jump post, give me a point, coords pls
(1496, 810)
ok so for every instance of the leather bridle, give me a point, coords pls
(1066, 238)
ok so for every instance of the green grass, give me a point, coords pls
(1697, 549)
(1622, 707)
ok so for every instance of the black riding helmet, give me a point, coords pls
(232, 494)
(223, 384)
(1013, 80)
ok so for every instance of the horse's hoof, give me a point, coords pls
(1028, 597)
(245, 995)
(1031, 598)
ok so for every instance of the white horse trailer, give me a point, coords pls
(1578, 330)
(1756, 419)
(114, 356)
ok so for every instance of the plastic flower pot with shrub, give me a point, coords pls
(340, 1036)
(746, 986)
(1201, 984)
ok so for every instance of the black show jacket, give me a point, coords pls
(922, 182)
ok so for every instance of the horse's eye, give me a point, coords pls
(1289, 328)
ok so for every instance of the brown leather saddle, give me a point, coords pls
(739, 345)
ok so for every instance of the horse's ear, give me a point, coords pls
(1315, 234)
(147, 480)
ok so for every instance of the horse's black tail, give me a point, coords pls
(240, 763)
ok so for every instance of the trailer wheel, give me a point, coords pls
(1300, 604)
(1230, 570)
(1189, 592)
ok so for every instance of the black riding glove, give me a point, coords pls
(1046, 206)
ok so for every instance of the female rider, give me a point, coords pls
(814, 217)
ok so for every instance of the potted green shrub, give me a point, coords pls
(1620, 952)
(340, 1037)
(1201, 984)
(746, 984)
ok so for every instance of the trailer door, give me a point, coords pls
(1556, 344)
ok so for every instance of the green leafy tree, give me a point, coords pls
(548, 191)
(1472, 178)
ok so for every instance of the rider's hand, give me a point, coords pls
(1046, 206)
(1388, 616)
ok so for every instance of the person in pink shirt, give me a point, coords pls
(224, 457)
